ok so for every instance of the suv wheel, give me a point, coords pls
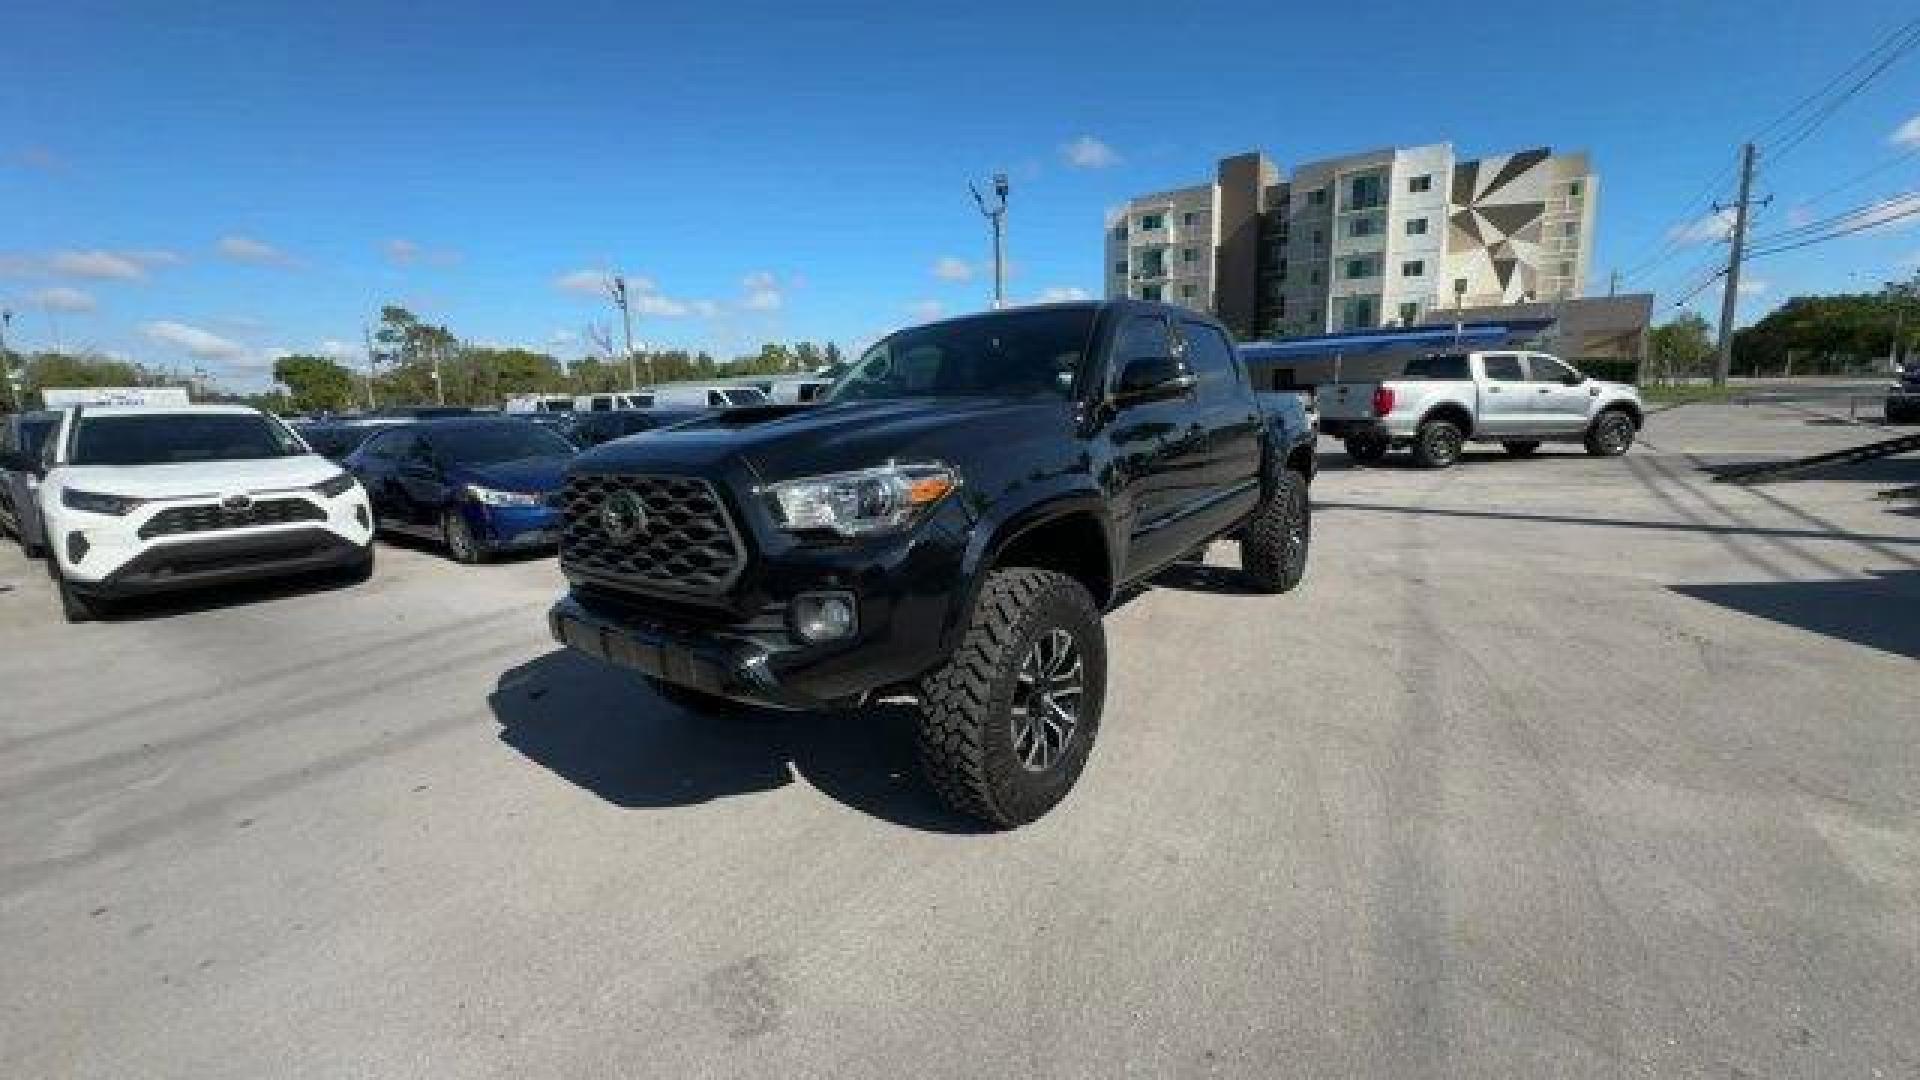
(1520, 449)
(1011, 716)
(1367, 449)
(459, 538)
(1437, 444)
(1611, 434)
(77, 606)
(1273, 549)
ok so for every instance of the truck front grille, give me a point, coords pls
(683, 541)
(179, 520)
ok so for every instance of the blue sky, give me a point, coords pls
(202, 184)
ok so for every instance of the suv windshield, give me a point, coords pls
(164, 438)
(1004, 354)
(491, 444)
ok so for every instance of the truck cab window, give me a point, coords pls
(1211, 359)
(1503, 367)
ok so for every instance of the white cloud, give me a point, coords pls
(109, 265)
(342, 350)
(643, 294)
(948, 268)
(925, 310)
(1907, 134)
(1755, 286)
(1715, 226)
(1061, 294)
(652, 303)
(403, 252)
(1087, 152)
(763, 291)
(62, 298)
(585, 283)
(706, 309)
(248, 249)
(203, 345)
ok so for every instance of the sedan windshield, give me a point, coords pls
(1003, 354)
(165, 438)
(491, 444)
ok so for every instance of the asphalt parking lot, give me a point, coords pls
(1562, 767)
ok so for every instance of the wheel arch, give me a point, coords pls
(1453, 412)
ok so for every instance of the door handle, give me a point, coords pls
(1546, 389)
(1493, 389)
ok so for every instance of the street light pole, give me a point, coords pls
(6, 361)
(367, 333)
(996, 216)
(617, 287)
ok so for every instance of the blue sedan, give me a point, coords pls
(479, 486)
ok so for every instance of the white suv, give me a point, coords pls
(145, 499)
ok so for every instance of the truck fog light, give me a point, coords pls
(77, 546)
(360, 515)
(821, 617)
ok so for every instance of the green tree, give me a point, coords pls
(1681, 347)
(806, 357)
(314, 383)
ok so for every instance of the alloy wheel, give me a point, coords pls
(1046, 700)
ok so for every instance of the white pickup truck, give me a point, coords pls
(1514, 398)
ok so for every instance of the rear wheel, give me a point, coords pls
(1521, 449)
(1011, 716)
(1611, 434)
(1273, 548)
(459, 538)
(1367, 449)
(1437, 444)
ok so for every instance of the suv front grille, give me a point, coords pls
(194, 519)
(686, 542)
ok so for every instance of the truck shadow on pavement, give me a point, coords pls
(604, 730)
(1878, 613)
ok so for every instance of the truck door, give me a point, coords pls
(1232, 419)
(1505, 406)
(1561, 396)
(1159, 451)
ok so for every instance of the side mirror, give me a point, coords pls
(1152, 378)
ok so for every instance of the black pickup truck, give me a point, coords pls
(948, 522)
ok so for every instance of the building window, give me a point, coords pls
(1186, 219)
(1187, 255)
(1360, 268)
(1459, 286)
(1150, 292)
(1423, 182)
(1120, 268)
(1364, 226)
(1413, 268)
(1566, 269)
(1417, 226)
(1150, 222)
(1315, 277)
(1409, 314)
(1364, 193)
(1186, 292)
(1573, 190)
(1568, 228)
(1318, 237)
(1317, 197)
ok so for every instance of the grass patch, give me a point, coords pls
(1685, 393)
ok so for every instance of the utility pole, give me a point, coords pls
(1723, 354)
(1613, 283)
(366, 332)
(439, 384)
(6, 361)
(617, 288)
(996, 216)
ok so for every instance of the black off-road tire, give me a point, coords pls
(1610, 434)
(457, 536)
(1367, 449)
(1521, 449)
(1273, 547)
(966, 729)
(1437, 445)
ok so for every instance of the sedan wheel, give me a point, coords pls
(460, 540)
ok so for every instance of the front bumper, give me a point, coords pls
(225, 560)
(504, 528)
(727, 665)
(1353, 429)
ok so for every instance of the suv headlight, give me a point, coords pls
(96, 503)
(335, 486)
(493, 497)
(861, 503)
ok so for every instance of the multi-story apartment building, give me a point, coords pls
(1373, 239)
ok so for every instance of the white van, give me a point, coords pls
(536, 403)
(614, 402)
(698, 396)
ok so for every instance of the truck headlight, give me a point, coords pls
(336, 486)
(861, 503)
(96, 503)
(495, 497)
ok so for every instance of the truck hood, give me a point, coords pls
(781, 442)
(187, 479)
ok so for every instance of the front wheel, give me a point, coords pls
(1437, 444)
(1611, 434)
(1273, 547)
(1367, 449)
(1011, 716)
(459, 538)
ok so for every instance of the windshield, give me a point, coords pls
(494, 443)
(1005, 354)
(164, 438)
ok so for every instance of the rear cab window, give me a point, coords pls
(1439, 367)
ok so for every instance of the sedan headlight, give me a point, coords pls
(96, 503)
(335, 486)
(861, 503)
(492, 497)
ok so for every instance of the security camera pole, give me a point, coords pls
(617, 288)
(996, 215)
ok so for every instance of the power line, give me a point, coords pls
(1831, 83)
(1844, 218)
(1870, 223)
(1864, 174)
(1894, 46)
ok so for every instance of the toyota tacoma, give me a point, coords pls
(947, 523)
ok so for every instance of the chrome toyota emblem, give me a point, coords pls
(624, 516)
(236, 504)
